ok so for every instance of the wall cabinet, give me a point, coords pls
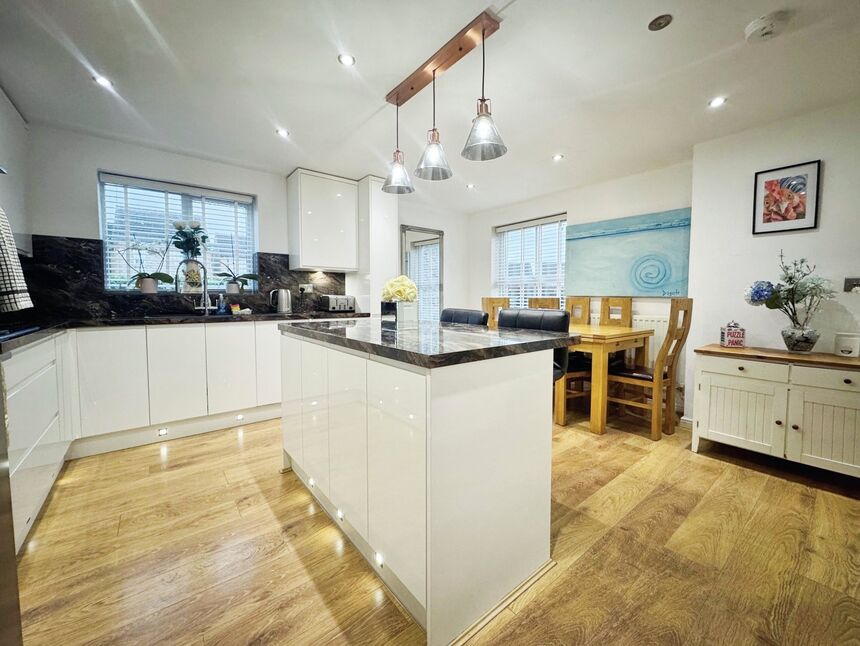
(176, 357)
(787, 408)
(112, 378)
(231, 370)
(268, 349)
(322, 217)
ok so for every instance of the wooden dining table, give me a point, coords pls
(600, 341)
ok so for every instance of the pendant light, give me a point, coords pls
(433, 164)
(398, 179)
(484, 142)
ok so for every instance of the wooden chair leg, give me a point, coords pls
(560, 416)
(656, 411)
(670, 421)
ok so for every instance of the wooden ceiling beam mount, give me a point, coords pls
(451, 52)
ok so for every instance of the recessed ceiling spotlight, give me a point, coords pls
(104, 81)
(557, 157)
(660, 22)
(470, 187)
(283, 133)
(716, 102)
(347, 60)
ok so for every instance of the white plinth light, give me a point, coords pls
(162, 431)
(379, 559)
(339, 514)
(311, 482)
(240, 417)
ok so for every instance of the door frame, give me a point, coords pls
(404, 250)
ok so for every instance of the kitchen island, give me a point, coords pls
(431, 448)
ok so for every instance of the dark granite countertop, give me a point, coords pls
(35, 334)
(432, 344)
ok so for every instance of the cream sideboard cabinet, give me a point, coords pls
(804, 408)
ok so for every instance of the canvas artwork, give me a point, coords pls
(786, 199)
(642, 255)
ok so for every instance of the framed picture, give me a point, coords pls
(786, 199)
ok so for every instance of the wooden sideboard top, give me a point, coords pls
(820, 359)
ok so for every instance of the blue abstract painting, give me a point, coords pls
(642, 255)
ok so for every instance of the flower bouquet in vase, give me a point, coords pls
(798, 295)
(400, 303)
(190, 239)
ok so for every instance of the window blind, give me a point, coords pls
(529, 259)
(141, 212)
(424, 272)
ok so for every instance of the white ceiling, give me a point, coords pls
(214, 78)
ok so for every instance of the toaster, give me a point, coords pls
(331, 303)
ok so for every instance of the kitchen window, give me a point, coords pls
(528, 259)
(138, 214)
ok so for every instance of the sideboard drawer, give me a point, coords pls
(745, 368)
(826, 378)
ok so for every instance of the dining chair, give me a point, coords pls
(579, 308)
(662, 375)
(492, 305)
(616, 311)
(544, 303)
(458, 315)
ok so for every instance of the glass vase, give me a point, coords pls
(800, 340)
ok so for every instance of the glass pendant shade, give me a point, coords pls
(398, 179)
(484, 141)
(433, 164)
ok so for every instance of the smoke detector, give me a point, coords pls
(768, 26)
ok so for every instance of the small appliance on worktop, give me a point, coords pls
(331, 303)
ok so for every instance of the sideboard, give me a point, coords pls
(801, 407)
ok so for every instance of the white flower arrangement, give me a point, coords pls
(400, 289)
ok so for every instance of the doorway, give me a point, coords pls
(421, 258)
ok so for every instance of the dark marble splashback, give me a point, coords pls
(65, 277)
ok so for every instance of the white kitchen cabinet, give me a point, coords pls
(396, 466)
(291, 397)
(231, 370)
(782, 404)
(112, 379)
(322, 217)
(268, 348)
(176, 356)
(347, 424)
(315, 439)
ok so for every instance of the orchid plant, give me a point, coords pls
(799, 294)
(138, 248)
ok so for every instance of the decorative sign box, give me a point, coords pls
(732, 335)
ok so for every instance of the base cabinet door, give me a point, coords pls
(268, 362)
(176, 356)
(112, 376)
(749, 413)
(291, 397)
(347, 431)
(231, 370)
(315, 444)
(824, 429)
(397, 478)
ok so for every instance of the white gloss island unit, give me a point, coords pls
(431, 448)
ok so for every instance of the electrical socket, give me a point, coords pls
(851, 283)
(306, 288)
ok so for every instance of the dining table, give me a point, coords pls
(601, 341)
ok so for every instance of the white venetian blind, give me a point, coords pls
(142, 211)
(529, 259)
(424, 272)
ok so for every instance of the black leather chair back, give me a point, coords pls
(456, 315)
(547, 320)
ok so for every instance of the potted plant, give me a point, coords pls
(799, 295)
(237, 282)
(190, 239)
(146, 282)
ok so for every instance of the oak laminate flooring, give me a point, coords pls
(205, 542)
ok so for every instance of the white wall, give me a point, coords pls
(13, 157)
(455, 248)
(657, 190)
(726, 257)
(63, 185)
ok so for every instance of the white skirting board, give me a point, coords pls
(96, 444)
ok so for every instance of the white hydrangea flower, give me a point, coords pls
(400, 289)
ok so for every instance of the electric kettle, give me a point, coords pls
(281, 300)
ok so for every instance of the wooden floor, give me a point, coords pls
(202, 540)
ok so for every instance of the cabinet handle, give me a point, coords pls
(741, 368)
(778, 422)
(795, 427)
(847, 381)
